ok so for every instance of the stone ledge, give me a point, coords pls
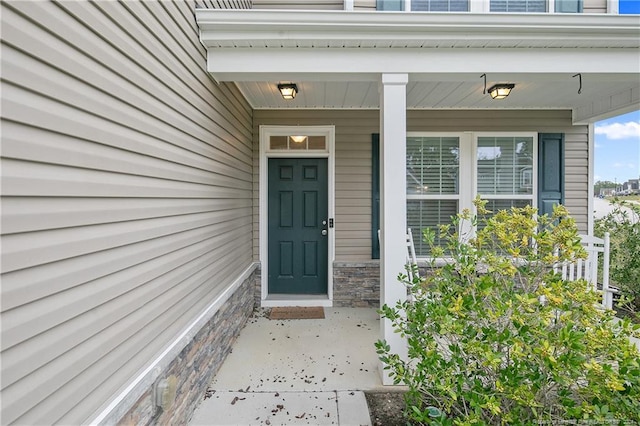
(197, 362)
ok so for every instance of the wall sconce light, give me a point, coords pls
(298, 139)
(288, 90)
(500, 91)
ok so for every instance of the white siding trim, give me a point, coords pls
(119, 406)
(590, 179)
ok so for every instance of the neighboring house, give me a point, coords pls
(607, 192)
(155, 184)
(629, 187)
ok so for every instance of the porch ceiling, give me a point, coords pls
(336, 58)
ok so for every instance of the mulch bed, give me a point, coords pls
(386, 408)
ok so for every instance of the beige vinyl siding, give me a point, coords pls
(366, 5)
(594, 6)
(299, 4)
(353, 129)
(226, 4)
(126, 208)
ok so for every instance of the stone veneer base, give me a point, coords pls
(355, 284)
(198, 362)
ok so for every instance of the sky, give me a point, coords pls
(629, 6)
(617, 148)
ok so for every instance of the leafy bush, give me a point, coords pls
(495, 337)
(623, 225)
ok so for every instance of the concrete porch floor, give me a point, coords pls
(297, 372)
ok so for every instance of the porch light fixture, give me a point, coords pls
(298, 139)
(500, 91)
(288, 90)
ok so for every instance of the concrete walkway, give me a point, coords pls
(294, 372)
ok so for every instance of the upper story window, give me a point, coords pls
(440, 5)
(425, 5)
(509, 6)
(518, 6)
(390, 4)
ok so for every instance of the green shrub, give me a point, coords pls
(623, 225)
(495, 337)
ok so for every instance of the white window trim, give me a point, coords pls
(468, 179)
(265, 153)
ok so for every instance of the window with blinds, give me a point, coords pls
(440, 5)
(390, 5)
(433, 179)
(505, 166)
(503, 172)
(518, 6)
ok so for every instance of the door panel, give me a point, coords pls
(298, 206)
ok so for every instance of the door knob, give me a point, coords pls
(324, 232)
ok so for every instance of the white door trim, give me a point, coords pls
(265, 153)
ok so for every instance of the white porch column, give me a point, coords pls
(393, 201)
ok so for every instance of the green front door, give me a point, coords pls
(298, 215)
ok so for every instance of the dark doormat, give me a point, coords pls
(296, 312)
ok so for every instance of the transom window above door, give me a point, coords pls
(298, 143)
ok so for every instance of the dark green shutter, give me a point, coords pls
(390, 4)
(550, 171)
(568, 6)
(375, 195)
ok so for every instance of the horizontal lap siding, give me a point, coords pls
(576, 166)
(353, 159)
(127, 186)
(227, 4)
(365, 5)
(594, 6)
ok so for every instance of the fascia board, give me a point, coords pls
(263, 26)
(422, 64)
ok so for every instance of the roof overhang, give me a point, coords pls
(539, 50)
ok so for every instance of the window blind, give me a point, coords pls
(518, 6)
(440, 5)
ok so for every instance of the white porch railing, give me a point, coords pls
(411, 257)
(588, 268)
(581, 268)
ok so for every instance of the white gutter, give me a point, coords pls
(550, 30)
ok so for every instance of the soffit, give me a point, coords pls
(337, 57)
